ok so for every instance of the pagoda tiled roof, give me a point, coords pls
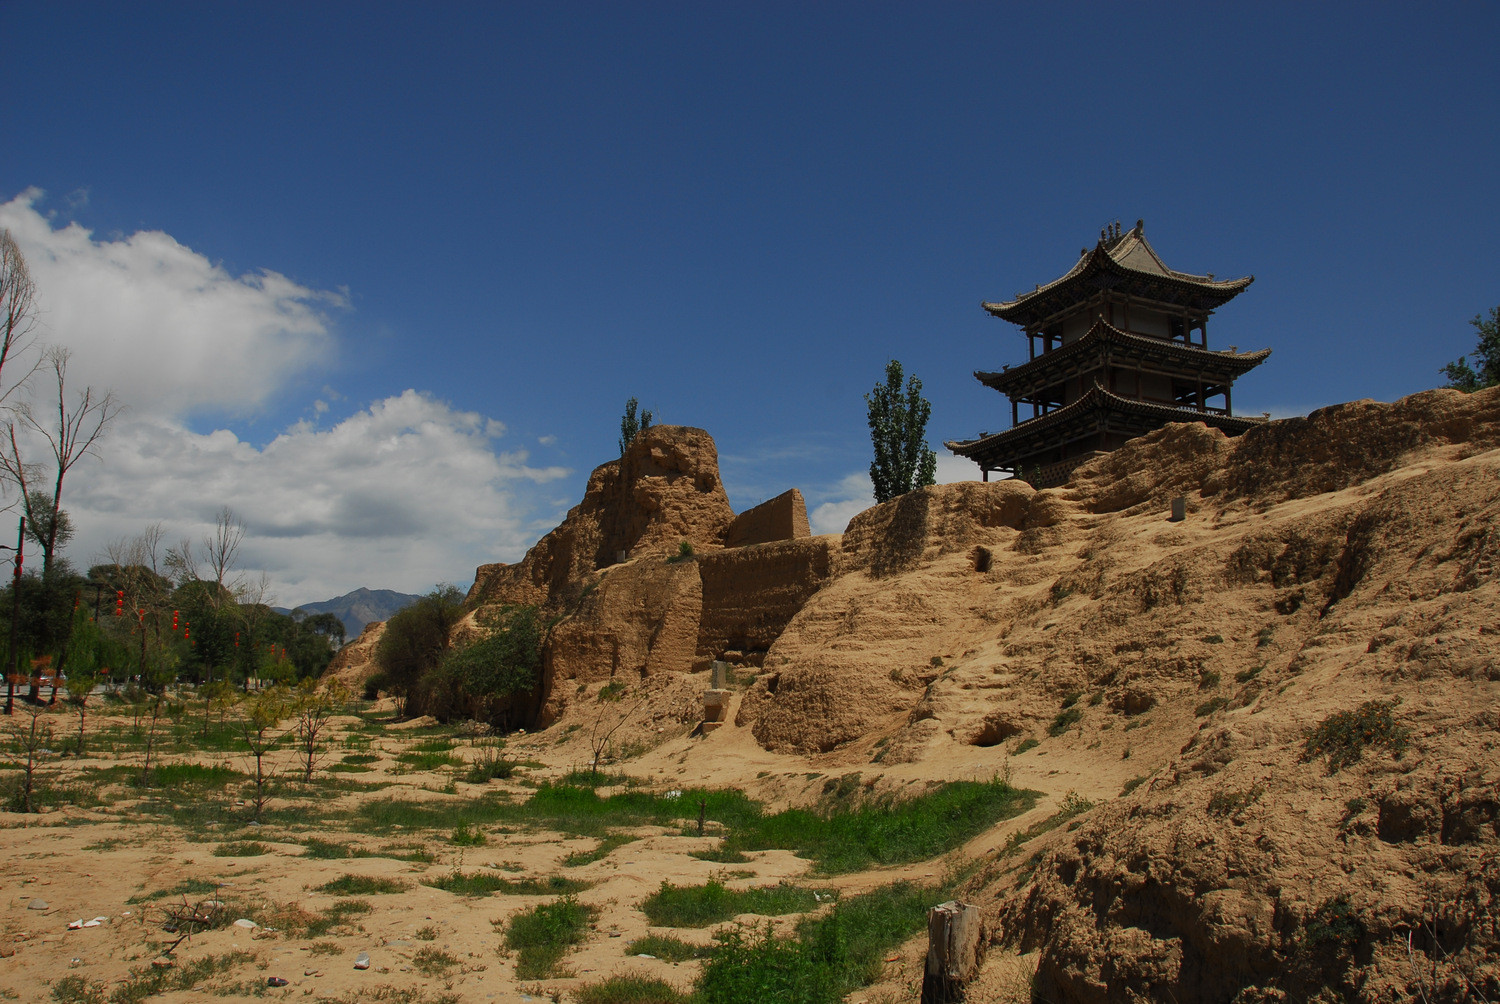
(1016, 439)
(1104, 335)
(1126, 261)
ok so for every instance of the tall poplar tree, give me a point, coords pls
(898, 430)
(631, 426)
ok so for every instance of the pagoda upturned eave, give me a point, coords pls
(1125, 264)
(1122, 349)
(994, 451)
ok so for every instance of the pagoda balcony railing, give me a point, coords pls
(1186, 409)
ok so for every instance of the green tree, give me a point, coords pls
(1462, 376)
(631, 426)
(485, 679)
(416, 639)
(898, 429)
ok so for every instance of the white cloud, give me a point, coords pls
(168, 330)
(853, 494)
(400, 495)
(951, 468)
(850, 497)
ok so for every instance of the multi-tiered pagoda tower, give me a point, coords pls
(1118, 347)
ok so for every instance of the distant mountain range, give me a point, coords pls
(359, 608)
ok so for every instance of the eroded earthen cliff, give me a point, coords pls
(1174, 670)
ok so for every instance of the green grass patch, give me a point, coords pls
(241, 849)
(434, 745)
(542, 934)
(329, 850)
(193, 776)
(337, 915)
(476, 884)
(415, 853)
(886, 831)
(605, 847)
(384, 815)
(631, 990)
(721, 855)
(583, 777)
(144, 982)
(362, 885)
(419, 760)
(1024, 745)
(1071, 805)
(348, 768)
(703, 905)
(360, 758)
(189, 888)
(830, 956)
(664, 946)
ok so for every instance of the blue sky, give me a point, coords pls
(382, 277)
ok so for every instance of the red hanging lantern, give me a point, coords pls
(119, 603)
(174, 621)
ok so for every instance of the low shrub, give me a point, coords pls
(1227, 802)
(750, 964)
(540, 936)
(1211, 705)
(434, 963)
(464, 835)
(1065, 719)
(1344, 735)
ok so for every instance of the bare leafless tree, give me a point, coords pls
(17, 312)
(71, 434)
(26, 748)
(182, 562)
(601, 735)
(222, 548)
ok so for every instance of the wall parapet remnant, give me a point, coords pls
(781, 518)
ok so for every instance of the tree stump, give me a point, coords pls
(954, 950)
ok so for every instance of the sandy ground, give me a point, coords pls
(70, 863)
